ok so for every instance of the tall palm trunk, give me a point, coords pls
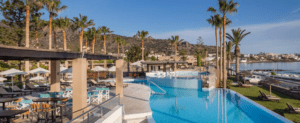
(237, 64)
(217, 47)
(86, 45)
(27, 35)
(37, 39)
(50, 32)
(65, 40)
(27, 26)
(118, 50)
(224, 46)
(229, 59)
(54, 35)
(104, 47)
(81, 39)
(143, 50)
(175, 51)
(123, 49)
(221, 55)
(93, 45)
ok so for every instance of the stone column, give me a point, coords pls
(79, 86)
(119, 77)
(165, 67)
(55, 83)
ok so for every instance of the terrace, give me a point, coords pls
(119, 96)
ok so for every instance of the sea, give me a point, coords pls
(289, 67)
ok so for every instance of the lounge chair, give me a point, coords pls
(265, 97)
(4, 92)
(244, 85)
(291, 109)
(17, 89)
(42, 85)
(93, 82)
(32, 87)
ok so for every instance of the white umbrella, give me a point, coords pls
(98, 68)
(39, 70)
(70, 70)
(37, 78)
(62, 68)
(138, 63)
(112, 69)
(2, 79)
(209, 58)
(12, 72)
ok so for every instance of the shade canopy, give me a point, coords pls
(12, 72)
(39, 70)
(2, 79)
(98, 68)
(37, 78)
(138, 63)
(209, 58)
(62, 68)
(112, 69)
(70, 70)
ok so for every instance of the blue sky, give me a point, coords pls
(274, 24)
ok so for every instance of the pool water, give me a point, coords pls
(182, 105)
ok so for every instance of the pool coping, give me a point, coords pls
(266, 109)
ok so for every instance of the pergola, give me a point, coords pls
(79, 63)
(164, 63)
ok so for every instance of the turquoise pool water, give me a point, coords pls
(183, 105)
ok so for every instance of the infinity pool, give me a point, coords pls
(183, 105)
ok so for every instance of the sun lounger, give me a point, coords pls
(93, 82)
(265, 97)
(291, 109)
(42, 85)
(61, 80)
(32, 87)
(17, 89)
(12, 94)
(244, 85)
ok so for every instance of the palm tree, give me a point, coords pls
(123, 43)
(53, 7)
(228, 51)
(55, 26)
(118, 40)
(213, 21)
(175, 41)
(93, 33)
(105, 30)
(226, 8)
(86, 36)
(236, 38)
(80, 24)
(142, 36)
(64, 24)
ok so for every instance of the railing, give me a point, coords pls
(158, 87)
(98, 111)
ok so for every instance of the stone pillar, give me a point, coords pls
(79, 86)
(55, 83)
(119, 77)
(175, 66)
(38, 65)
(165, 68)
(92, 64)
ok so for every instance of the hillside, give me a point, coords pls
(156, 45)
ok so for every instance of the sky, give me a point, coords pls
(274, 24)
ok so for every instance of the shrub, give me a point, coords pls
(273, 73)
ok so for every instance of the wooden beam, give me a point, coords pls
(21, 53)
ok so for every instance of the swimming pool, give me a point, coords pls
(184, 105)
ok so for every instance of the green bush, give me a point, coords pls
(273, 73)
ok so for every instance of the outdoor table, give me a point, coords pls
(4, 100)
(10, 113)
(54, 100)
